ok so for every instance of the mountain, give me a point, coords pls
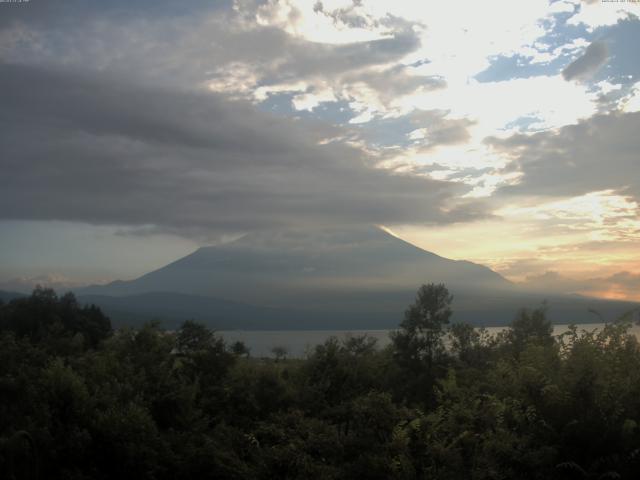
(280, 268)
(322, 279)
(173, 308)
(8, 296)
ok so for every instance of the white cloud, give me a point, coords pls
(601, 216)
(632, 102)
(606, 87)
(602, 14)
(262, 93)
(304, 19)
(562, 7)
(492, 107)
(309, 101)
(485, 185)
(458, 41)
(418, 134)
(540, 53)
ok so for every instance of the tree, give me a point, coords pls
(203, 350)
(239, 349)
(194, 337)
(419, 341)
(530, 327)
(280, 352)
(469, 344)
(58, 321)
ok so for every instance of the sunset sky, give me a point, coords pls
(502, 132)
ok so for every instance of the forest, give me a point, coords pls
(80, 400)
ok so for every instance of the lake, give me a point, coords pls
(299, 342)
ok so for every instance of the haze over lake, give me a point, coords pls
(299, 342)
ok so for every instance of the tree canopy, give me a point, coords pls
(442, 401)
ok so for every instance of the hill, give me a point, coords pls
(8, 296)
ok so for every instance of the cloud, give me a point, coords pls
(150, 116)
(596, 154)
(232, 50)
(396, 81)
(436, 129)
(25, 284)
(603, 216)
(628, 281)
(594, 14)
(98, 149)
(620, 285)
(552, 281)
(584, 67)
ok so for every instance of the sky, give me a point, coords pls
(501, 132)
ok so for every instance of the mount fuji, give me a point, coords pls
(361, 277)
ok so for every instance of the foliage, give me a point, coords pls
(419, 343)
(78, 401)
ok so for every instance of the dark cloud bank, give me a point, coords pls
(594, 57)
(599, 153)
(93, 148)
(105, 121)
(199, 42)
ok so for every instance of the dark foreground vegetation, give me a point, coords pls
(79, 401)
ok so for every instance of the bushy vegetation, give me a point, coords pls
(80, 401)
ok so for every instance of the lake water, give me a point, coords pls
(299, 342)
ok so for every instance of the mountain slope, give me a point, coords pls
(355, 278)
(285, 268)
